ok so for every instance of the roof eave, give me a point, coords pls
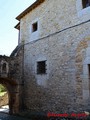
(17, 26)
(30, 8)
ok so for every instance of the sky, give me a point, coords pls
(9, 10)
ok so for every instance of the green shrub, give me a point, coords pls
(2, 88)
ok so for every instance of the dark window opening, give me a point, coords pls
(85, 3)
(41, 67)
(4, 67)
(34, 27)
(89, 70)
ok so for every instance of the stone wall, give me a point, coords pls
(62, 40)
(13, 69)
(61, 89)
(11, 78)
(4, 100)
(52, 16)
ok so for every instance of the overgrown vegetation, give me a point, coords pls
(2, 90)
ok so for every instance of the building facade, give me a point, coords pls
(55, 36)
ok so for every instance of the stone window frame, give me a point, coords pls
(35, 27)
(39, 59)
(39, 71)
(4, 67)
(80, 10)
(86, 75)
(7, 67)
(42, 79)
(34, 34)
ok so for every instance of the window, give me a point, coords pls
(41, 67)
(34, 27)
(34, 30)
(4, 67)
(85, 3)
(89, 70)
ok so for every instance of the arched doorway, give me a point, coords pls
(4, 99)
(13, 94)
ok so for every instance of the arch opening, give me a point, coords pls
(4, 99)
(12, 90)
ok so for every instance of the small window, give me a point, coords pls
(4, 67)
(41, 67)
(89, 70)
(34, 27)
(85, 3)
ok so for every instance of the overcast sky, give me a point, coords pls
(9, 10)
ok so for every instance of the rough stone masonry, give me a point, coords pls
(55, 59)
(57, 34)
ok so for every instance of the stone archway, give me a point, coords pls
(13, 93)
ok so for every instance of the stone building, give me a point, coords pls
(56, 55)
(54, 62)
